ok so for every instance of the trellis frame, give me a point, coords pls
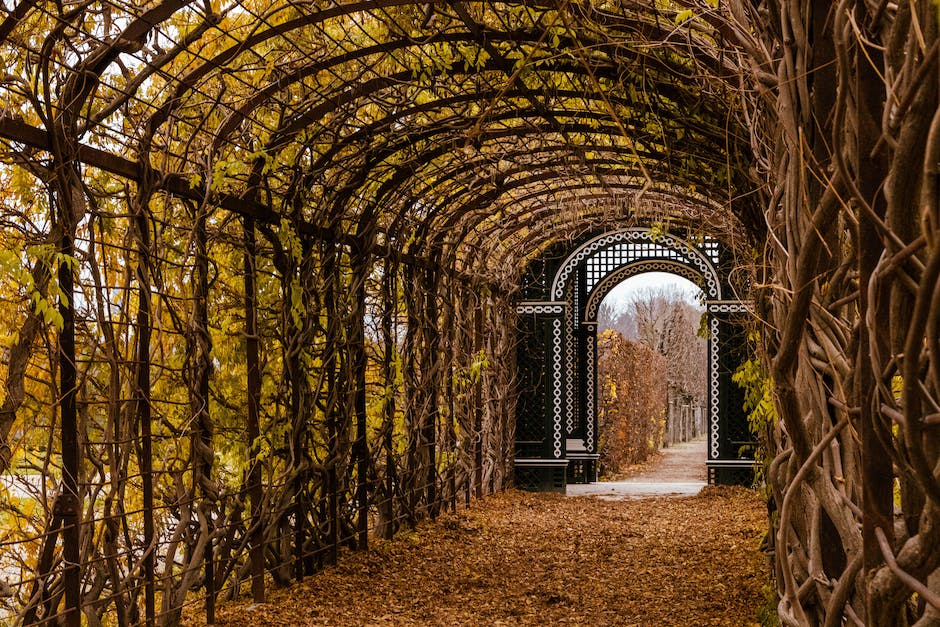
(455, 142)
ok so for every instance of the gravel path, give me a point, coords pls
(677, 471)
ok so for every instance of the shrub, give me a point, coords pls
(633, 396)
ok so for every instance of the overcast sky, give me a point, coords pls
(624, 292)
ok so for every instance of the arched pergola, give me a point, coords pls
(262, 265)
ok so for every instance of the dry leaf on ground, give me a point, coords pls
(537, 559)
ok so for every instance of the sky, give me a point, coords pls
(624, 292)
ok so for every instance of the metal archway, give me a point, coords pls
(556, 415)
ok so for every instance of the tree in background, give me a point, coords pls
(664, 321)
(633, 391)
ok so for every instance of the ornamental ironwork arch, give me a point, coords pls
(634, 244)
(556, 427)
(599, 293)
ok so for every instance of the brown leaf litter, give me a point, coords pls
(541, 559)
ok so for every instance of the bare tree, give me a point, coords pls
(617, 317)
(663, 320)
(667, 323)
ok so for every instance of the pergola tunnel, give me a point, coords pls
(278, 278)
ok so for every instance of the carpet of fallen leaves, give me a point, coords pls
(542, 559)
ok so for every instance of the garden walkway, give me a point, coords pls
(675, 471)
(544, 559)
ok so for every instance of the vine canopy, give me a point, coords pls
(473, 133)
(400, 159)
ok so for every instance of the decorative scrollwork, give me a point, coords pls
(686, 253)
(556, 385)
(639, 267)
(570, 356)
(591, 391)
(729, 307)
(540, 308)
(713, 441)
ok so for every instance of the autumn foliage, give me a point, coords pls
(633, 391)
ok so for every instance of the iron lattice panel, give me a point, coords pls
(540, 478)
(723, 475)
(606, 260)
(737, 441)
(711, 249)
(537, 280)
(532, 361)
(528, 479)
(571, 379)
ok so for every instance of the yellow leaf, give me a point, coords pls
(682, 16)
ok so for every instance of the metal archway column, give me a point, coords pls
(540, 460)
(730, 444)
(583, 449)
